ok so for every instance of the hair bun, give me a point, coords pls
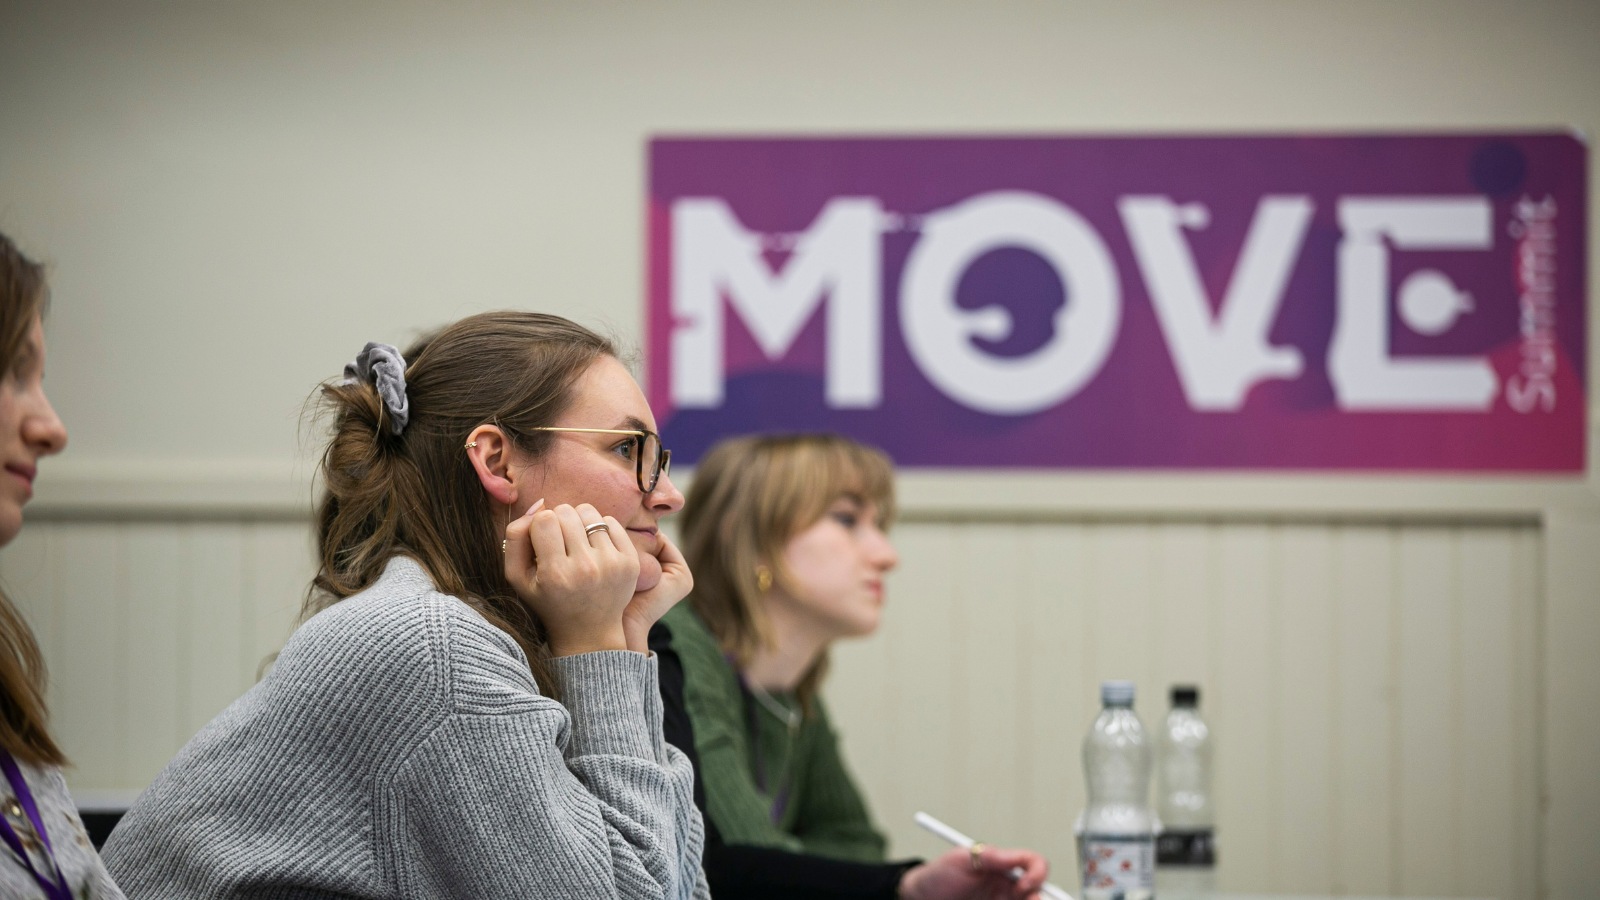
(382, 366)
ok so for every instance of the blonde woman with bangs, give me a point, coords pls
(787, 536)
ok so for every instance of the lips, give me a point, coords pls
(24, 472)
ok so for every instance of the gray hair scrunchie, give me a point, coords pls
(384, 368)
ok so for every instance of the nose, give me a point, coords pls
(42, 428)
(666, 499)
(881, 550)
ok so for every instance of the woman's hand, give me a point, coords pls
(577, 583)
(649, 605)
(959, 875)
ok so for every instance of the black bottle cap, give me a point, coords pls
(1185, 696)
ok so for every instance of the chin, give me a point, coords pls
(862, 628)
(649, 573)
(10, 525)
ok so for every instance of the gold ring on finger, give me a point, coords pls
(598, 526)
(975, 856)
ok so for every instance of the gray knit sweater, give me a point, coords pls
(400, 748)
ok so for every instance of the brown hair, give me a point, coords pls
(23, 715)
(416, 493)
(750, 496)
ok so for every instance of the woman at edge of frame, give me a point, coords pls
(44, 850)
(786, 535)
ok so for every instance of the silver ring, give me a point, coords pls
(598, 526)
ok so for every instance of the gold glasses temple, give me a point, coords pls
(637, 431)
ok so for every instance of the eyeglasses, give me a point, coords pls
(646, 446)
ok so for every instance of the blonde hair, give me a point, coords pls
(751, 495)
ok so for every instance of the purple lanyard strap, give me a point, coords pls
(54, 887)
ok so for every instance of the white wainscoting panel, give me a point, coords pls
(1372, 686)
(149, 629)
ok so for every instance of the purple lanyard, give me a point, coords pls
(54, 887)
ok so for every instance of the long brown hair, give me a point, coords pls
(750, 496)
(23, 715)
(416, 493)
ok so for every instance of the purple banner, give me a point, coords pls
(1405, 303)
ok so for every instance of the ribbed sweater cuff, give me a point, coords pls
(615, 705)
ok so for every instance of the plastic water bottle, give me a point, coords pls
(1186, 855)
(1116, 832)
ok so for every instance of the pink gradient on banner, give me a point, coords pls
(1525, 318)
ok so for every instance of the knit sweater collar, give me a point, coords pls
(403, 575)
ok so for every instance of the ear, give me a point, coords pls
(490, 451)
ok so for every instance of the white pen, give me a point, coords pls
(960, 840)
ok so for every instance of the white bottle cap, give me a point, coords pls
(1116, 693)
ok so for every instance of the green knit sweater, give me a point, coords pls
(765, 785)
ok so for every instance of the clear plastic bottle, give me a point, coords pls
(1186, 856)
(1116, 832)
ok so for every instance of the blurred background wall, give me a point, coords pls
(235, 197)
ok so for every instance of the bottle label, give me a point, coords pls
(1118, 864)
(1186, 847)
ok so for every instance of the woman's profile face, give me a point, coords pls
(599, 469)
(834, 570)
(29, 429)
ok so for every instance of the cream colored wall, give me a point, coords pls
(236, 196)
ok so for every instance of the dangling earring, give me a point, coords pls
(763, 579)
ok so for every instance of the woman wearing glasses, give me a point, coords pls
(787, 536)
(469, 710)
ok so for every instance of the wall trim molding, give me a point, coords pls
(173, 489)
